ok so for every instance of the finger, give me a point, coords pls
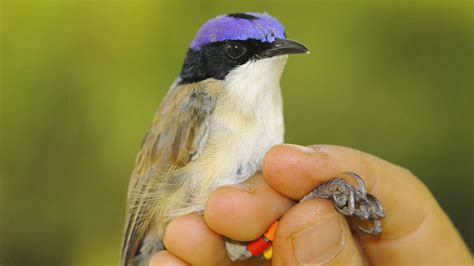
(313, 233)
(243, 212)
(294, 171)
(166, 258)
(415, 224)
(188, 238)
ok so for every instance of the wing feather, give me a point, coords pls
(177, 136)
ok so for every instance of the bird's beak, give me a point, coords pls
(284, 46)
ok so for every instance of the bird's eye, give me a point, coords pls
(235, 50)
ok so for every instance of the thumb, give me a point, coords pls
(313, 232)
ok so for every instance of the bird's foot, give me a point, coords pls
(352, 201)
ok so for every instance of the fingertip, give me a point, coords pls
(183, 227)
(189, 238)
(221, 203)
(295, 170)
(243, 212)
(275, 158)
(282, 154)
(227, 213)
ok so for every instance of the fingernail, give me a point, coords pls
(318, 157)
(320, 242)
(304, 149)
(244, 186)
(318, 148)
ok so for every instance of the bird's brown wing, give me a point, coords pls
(178, 134)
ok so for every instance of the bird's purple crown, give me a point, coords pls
(239, 26)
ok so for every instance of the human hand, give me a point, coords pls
(416, 229)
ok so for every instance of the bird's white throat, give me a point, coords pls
(249, 117)
(256, 84)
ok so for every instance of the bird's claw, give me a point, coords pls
(352, 201)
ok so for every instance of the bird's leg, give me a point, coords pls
(352, 201)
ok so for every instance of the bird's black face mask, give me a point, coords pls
(217, 59)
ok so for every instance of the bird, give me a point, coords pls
(213, 128)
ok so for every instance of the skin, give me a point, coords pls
(416, 229)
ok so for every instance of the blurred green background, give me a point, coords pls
(81, 80)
